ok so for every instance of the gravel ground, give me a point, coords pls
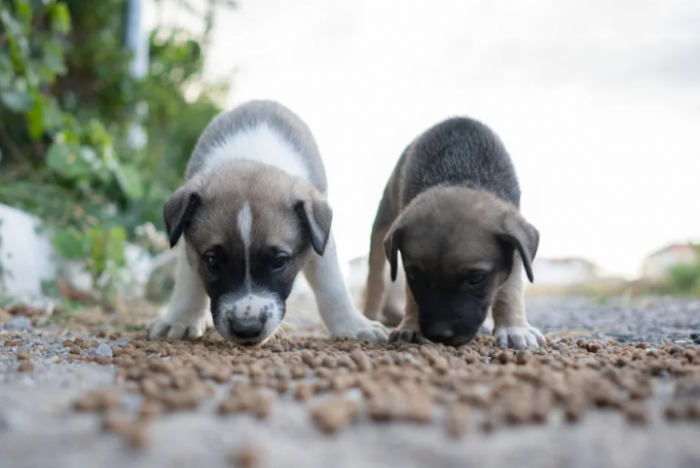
(39, 429)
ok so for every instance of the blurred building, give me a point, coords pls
(563, 271)
(657, 264)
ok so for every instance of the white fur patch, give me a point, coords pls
(245, 226)
(262, 144)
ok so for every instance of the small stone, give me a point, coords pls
(26, 366)
(104, 350)
(22, 355)
(10, 419)
(19, 323)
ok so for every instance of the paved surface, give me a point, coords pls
(38, 429)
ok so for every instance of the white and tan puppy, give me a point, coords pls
(251, 215)
(451, 209)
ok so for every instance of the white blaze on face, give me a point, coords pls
(245, 226)
(252, 308)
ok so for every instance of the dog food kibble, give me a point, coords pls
(457, 419)
(137, 437)
(97, 400)
(303, 391)
(523, 356)
(333, 415)
(113, 422)
(103, 360)
(343, 381)
(150, 409)
(636, 412)
(246, 458)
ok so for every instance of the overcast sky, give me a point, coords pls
(597, 101)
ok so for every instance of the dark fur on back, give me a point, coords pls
(458, 151)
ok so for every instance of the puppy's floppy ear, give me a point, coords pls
(523, 236)
(316, 216)
(178, 212)
(392, 242)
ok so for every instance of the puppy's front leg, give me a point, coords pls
(377, 279)
(188, 314)
(408, 330)
(511, 327)
(334, 301)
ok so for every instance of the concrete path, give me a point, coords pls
(39, 429)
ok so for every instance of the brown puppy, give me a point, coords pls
(451, 208)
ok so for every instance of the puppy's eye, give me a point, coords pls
(412, 274)
(213, 262)
(475, 277)
(279, 263)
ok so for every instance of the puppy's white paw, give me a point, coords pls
(519, 337)
(360, 328)
(168, 328)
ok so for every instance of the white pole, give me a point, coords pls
(137, 42)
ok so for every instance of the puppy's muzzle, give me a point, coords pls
(249, 319)
(450, 333)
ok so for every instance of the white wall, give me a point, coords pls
(26, 256)
(561, 273)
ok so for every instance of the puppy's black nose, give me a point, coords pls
(439, 333)
(247, 330)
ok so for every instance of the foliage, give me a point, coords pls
(67, 105)
(684, 278)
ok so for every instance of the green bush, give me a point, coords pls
(67, 103)
(684, 278)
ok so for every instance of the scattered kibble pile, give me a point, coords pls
(398, 382)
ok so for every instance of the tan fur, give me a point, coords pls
(271, 194)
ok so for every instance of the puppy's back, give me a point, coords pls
(263, 131)
(458, 151)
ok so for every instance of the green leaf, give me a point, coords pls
(17, 101)
(60, 18)
(53, 57)
(115, 245)
(12, 26)
(52, 115)
(65, 160)
(106, 249)
(131, 182)
(71, 244)
(24, 10)
(35, 118)
(6, 71)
